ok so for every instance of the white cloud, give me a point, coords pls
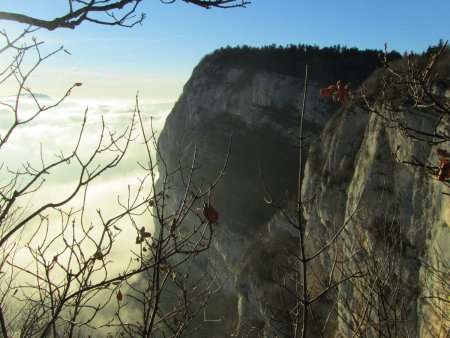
(57, 130)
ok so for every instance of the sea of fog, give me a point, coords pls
(56, 132)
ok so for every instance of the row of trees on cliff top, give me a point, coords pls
(73, 287)
(326, 63)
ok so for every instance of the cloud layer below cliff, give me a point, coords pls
(56, 132)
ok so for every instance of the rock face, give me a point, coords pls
(349, 167)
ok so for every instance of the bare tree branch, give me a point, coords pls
(111, 13)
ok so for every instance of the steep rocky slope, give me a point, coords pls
(402, 217)
(350, 166)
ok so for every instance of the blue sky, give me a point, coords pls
(157, 57)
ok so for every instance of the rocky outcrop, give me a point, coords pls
(350, 167)
(259, 110)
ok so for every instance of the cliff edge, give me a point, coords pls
(350, 176)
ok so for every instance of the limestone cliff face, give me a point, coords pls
(350, 167)
(258, 110)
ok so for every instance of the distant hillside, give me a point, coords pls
(27, 96)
